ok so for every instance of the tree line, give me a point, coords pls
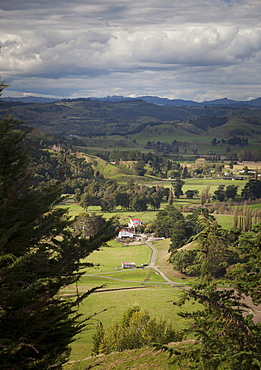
(251, 191)
(109, 195)
(158, 165)
(244, 155)
(235, 140)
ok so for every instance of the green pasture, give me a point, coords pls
(119, 173)
(163, 132)
(110, 305)
(255, 206)
(122, 289)
(225, 221)
(148, 216)
(124, 216)
(113, 280)
(136, 278)
(198, 184)
(168, 132)
(112, 257)
(201, 183)
(108, 143)
(73, 208)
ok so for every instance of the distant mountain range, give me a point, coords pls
(255, 103)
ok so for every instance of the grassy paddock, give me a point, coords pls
(157, 300)
(110, 258)
(124, 216)
(149, 215)
(151, 291)
(201, 183)
(225, 221)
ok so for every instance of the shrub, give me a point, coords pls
(136, 329)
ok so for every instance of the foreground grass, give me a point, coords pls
(136, 359)
(110, 305)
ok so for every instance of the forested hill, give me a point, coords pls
(87, 117)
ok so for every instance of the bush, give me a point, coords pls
(137, 329)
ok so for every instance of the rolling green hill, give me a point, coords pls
(106, 125)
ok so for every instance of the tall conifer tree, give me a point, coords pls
(39, 256)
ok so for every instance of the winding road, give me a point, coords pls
(152, 264)
(255, 310)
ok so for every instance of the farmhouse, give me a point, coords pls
(134, 222)
(125, 234)
(128, 265)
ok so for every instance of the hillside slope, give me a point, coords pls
(85, 117)
(95, 126)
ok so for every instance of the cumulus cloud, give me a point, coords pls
(176, 49)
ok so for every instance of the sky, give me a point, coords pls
(177, 49)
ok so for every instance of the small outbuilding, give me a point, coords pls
(125, 234)
(128, 265)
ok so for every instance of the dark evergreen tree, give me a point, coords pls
(178, 234)
(122, 198)
(39, 255)
(252, 189)
(231, 191)
(155, 200)
(220, 194)
(247, 274)
(226, 335)
(186, 261)
(177, 187)
(139, 203)
(191, 193)
(139, 169)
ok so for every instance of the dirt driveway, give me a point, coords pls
(255, 310)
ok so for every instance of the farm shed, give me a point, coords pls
(128, 265)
